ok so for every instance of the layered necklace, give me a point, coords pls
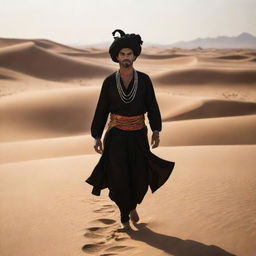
(127, 98)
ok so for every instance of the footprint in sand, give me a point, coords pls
(92, 248)
(97, 228)
(108, 254)
(108, 205)
(93, 235)
(120, 238)
(106, 221)
(105, 208)
(103, 238)
(101, 231)
(119, 248)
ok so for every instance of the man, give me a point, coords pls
(127, 166)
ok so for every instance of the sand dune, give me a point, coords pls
(207, 99)
(46, 148)
(4, 42)
(182, 108)
(155, 66)
(162, 56)
(251, 53)
(210, 131)
(208, 207)
(233, 57)
(14, 82)
(9, 74)
(6, 77)
(215, 131)
(47, 113)
(67, 112)
(44, 43)
(103, 54)
(202, 76)
(35, 61)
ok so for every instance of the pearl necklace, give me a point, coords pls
(127, 98)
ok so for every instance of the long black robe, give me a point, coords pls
(127, 153)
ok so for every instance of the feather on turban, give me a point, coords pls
(131, 41)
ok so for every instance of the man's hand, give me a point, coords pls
(98, 146)
(155, 139)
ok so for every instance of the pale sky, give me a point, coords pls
(157, 21)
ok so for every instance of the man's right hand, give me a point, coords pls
(98, 146)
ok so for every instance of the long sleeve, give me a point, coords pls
(153, 114)
(101, 112)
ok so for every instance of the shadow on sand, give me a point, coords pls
(173, 245)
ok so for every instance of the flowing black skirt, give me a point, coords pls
(127, 167)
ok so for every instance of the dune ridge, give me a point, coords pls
(233, 57)
(102, 54)
(6, 77)
(232, 130)
(19, 151)
(214, 108)
(44, 43)
(202, 76)
(35, 61)
(184, 107)
(63, 112)
(162, 56)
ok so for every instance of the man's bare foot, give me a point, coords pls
(124, 227)
(134, 216)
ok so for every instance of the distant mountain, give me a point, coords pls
(244, 40)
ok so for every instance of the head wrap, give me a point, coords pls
(131, 41)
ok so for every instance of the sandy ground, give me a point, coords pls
(48, 94)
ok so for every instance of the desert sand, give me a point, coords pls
(48, 94)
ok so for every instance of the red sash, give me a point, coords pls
(128, 123)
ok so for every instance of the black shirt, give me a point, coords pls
(110, 102)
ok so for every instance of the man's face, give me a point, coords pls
(126, 57)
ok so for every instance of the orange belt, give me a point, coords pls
(128, 123)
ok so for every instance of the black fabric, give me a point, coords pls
(127, 167)
(127, 171)
(127, 176)
(155, 172)
(131, 41)
(110, 102)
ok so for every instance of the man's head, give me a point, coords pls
(125, 41)
(126, 57)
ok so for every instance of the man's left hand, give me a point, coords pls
(155, 139)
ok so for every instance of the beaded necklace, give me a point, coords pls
(127, 98)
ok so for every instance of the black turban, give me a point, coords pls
(131, 41)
